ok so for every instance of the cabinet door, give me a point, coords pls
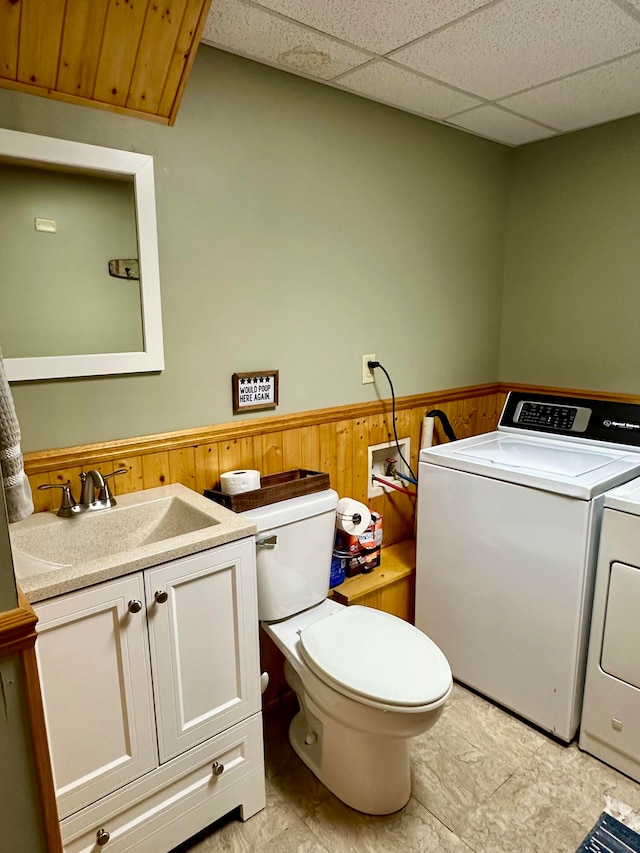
(94, 670)
(204, 644)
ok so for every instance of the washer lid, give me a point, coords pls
(568, 467)
(547, 458)
(377, 657)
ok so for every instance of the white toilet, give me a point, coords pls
(366, 681)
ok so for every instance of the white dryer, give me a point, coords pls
(507, 536)
(610, 727)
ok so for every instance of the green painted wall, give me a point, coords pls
(572, 273)
(299, 227)
(56, 292)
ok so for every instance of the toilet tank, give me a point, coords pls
(294, 545)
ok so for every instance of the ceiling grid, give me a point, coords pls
(514, 71)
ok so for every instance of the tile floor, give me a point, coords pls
(483, 781)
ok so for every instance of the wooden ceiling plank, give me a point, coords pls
(39, 45)
(185, 51)
(131, 56)
(81, 41)
(9, 33)
(161, 32)
(123, 30)
(30, 89)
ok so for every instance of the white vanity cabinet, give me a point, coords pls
(151, 688)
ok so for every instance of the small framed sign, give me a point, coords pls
(255, 390)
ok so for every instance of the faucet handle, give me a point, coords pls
(68, 506)
(106, 495)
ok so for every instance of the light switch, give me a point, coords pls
(46, 225)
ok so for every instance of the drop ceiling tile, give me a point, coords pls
(257, 33)
(385, 81)
(500, 125)
(518, 44)
(372, 24)
(591, 97)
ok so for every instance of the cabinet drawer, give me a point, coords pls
(178, 799)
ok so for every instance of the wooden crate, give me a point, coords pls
(274, 487)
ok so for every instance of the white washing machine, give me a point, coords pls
(610, 727)
(507, 536)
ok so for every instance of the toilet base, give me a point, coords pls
(359, 751)
(368, 773)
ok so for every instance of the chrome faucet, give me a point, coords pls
(95, 495)
(91, 480)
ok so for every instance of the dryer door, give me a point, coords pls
(621, 638)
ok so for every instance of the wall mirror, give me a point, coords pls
(79, 272)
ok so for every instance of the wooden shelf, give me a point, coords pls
(390, 587)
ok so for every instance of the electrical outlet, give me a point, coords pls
(367, 375)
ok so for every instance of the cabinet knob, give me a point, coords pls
(218, 769)
(161, 597)
(102, 836)
(134, 606)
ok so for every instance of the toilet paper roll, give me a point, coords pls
(352, 517)
(236, 482)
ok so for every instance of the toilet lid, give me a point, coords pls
(376, 656)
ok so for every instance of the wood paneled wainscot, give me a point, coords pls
(334, 441)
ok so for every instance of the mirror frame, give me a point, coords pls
(44, 150)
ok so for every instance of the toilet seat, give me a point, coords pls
(376, 659)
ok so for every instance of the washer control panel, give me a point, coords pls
(552, 416)
(574, 418)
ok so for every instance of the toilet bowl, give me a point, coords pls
(366, 681)
(379, 682)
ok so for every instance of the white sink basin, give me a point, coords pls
(93, 535)
(53, 555)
